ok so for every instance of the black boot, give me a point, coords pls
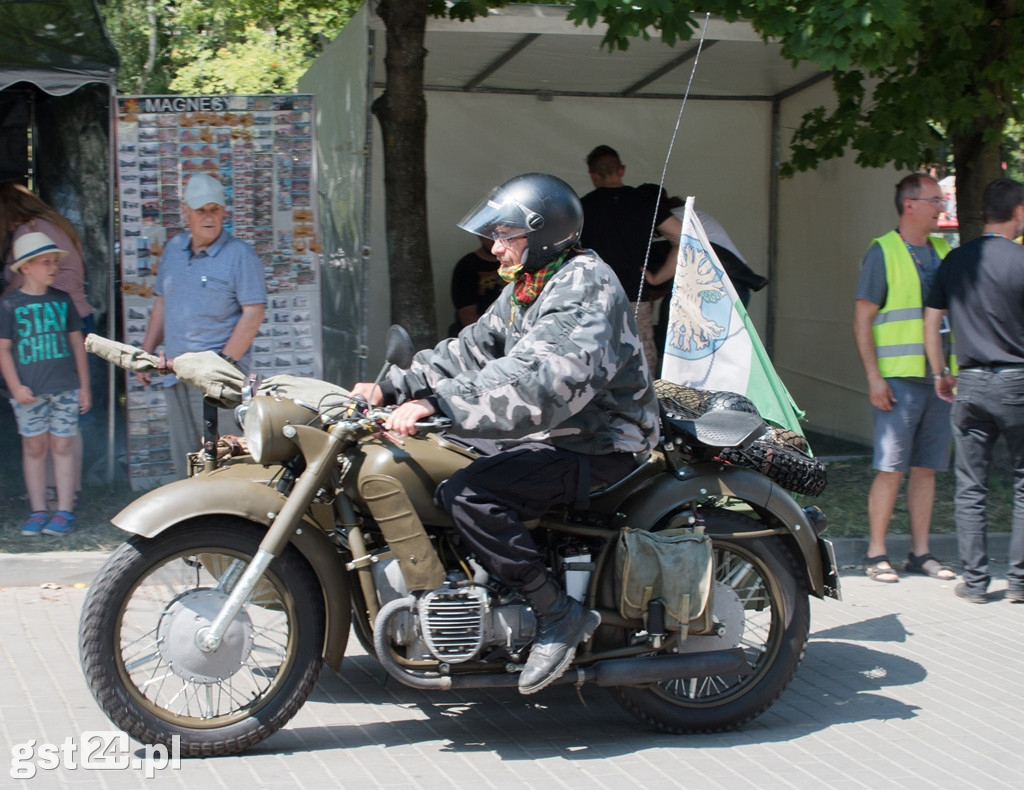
(562, 623)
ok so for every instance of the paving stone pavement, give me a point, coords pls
(903, 685)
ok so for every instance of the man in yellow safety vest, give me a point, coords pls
(912, 429)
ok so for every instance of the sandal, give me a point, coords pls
(916, 564)
(875, 573)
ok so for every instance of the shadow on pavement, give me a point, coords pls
(837, 683)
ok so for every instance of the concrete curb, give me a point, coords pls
(79, 567)
(50, 567)
(850, 551)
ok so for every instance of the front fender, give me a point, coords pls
(665, 493)
(223, 495)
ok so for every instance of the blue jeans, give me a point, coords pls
(989, 403)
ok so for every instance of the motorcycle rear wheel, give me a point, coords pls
(141, 619)
(759, 578)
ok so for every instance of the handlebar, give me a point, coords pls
(378, 415)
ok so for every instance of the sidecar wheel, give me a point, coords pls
(763, 605)
(138, 639)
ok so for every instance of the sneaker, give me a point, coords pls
(965, 592)
(1015, 596)
(61, 523)
(35, 523)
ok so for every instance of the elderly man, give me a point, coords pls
(911, 422)
(981, 284)
(553, 368)
(211, 296)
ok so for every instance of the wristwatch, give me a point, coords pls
(234, 361)
(945, 372)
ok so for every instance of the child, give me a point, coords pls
(42, 358)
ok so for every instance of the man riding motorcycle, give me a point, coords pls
(554, 371)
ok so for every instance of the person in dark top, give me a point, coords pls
(981, 286)
(743, 278)
(618, 224)
(475, 284)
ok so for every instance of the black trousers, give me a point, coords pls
(490, 499)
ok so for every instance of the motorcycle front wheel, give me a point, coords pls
(141, 627)
(762, 604)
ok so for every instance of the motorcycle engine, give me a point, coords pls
(460, 621)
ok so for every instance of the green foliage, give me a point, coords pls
(1013, 150)
(262, 62)
(233, 46)
(902, 69)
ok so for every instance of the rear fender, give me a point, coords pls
(217, 495)
(666, 493)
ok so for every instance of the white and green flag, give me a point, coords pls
(710, 343)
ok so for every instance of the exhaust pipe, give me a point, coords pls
(613, 672)
(657, 669)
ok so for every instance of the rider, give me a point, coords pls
(555, 370)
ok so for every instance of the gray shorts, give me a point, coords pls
(56, 414)
(917, 432)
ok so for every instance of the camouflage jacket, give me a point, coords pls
(568, 369)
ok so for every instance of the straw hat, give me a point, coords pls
(32, 245)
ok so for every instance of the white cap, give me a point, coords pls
(202, 189)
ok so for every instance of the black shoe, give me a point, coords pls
(562, 623)
(1015, 596)
(965, 592)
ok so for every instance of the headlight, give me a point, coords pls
(265, 420)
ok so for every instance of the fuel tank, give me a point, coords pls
(420, 464)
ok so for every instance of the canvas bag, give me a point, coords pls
(675, 565)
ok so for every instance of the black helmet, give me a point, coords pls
(543, 208)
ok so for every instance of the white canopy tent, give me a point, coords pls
(523, 89)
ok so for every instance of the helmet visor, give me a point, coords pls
(500, 216)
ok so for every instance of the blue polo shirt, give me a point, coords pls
(204, 293)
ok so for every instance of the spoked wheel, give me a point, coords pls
(141, 632)
(762, 604)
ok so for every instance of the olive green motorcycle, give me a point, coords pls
(210, 624)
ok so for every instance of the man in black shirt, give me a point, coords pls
(981, 285)
(475, 284)
(617, 224)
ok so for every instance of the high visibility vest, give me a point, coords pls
(899, 325)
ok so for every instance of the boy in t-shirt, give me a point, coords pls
(42, 358)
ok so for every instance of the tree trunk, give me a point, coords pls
(976, 140)
(151, 46)
(402, 113)
(976, 162)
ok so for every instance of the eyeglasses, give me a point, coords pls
(938, 201)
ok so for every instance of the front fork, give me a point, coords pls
(320, 448)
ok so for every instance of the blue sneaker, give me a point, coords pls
(35, 523)
(62, 522)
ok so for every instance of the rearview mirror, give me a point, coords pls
(399, 350)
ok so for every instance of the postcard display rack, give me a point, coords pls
(261, 148)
